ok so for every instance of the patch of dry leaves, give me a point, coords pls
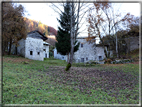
(90, 78)
(9, 59)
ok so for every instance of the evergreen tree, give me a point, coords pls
(63, 45)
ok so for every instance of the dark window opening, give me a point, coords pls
(82, 59)
(86, 58)
(38, 53)
(31, 52)
(100, 57)
(45, 55)
(81, 44)
(44, 49)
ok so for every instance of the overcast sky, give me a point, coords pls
(44, 13)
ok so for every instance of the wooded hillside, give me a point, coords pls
(45, 29)
(35, 25)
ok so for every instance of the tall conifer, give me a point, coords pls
(63, 45)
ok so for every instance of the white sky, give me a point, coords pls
(42, 12)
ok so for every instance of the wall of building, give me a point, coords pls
(46, 51)
(132, 43)
(21, 47)
(100, 55)
(59, 56)
(34, 49)
(85, 53)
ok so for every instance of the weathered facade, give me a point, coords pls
(59, 56)
(132, 43)
(34, 47)
(87, 52)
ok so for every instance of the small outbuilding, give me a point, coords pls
(34, 46)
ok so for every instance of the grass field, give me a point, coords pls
(46, 82)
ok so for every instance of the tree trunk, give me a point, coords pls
(68, 58)
(10, 44)
(116, 47)
(16, 50)
(3, 48)
(72, 38)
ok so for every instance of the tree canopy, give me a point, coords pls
(63, 44)
(104, 21)
(13, 25)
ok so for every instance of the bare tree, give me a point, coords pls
(78, 11)
(104, 21)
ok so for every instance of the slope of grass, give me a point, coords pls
(46, 82)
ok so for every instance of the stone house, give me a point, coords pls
(86, 52)
(34, 46)
(132, 43)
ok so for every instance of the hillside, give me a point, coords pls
(51, 39)
(49, 31)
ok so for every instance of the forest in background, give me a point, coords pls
(48, 31)
(37, 25)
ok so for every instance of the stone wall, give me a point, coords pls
(34, 49)
(46, 51)
(21, 47)
(59, 56)
(100, 55)
(88, 52)
(85, 53)
(132, 43)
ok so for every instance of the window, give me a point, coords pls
(81, 44)
(31, 52)
(46, 55)
(100, 57)
(38, 53)
(86, 58)
(82, 59)
(44, 50)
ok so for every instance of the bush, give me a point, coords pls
(25, 62)
(50, 54)
(122, 61)
(52, 57)
(45, 58)
(94, 62)
(113, 59)
(108, 61)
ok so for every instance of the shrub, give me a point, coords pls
(122, 61)
(108, 61)
(94, 62)
(25, 62)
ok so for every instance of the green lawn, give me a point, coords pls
(46, 82)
